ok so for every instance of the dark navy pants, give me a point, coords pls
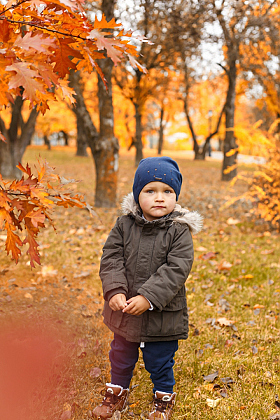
(158, 358)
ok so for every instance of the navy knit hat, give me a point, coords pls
(162, 169)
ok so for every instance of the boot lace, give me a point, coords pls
(109, 399)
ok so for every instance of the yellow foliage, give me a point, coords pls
(230, 169)
(232, 152)
(264, 183)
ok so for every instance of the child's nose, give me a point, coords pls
(159, 196)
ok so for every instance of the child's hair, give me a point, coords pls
(162, 169)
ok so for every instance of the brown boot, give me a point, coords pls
(163, 405)
(115, 398)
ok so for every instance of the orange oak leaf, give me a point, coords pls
(5, 31)
(111, 45)
(46, 72)
(61, 57)
(135, 64)
(24, 77)
(104, 24)
(4, 217)
(26, 170)
(12, 243)
(37, 217)
(39, 42)
(33, 248)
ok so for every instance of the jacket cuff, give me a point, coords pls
(114, 292)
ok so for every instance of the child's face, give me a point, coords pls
(156, 200)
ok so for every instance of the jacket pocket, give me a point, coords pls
(111, 317)
(167, 323)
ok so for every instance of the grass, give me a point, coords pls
(239, 283)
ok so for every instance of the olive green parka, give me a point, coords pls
(152, 259)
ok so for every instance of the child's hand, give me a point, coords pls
(118, 302)
(137, 305)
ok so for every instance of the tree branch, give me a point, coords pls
(45, 28)
(13, 6)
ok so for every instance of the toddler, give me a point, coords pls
(146, 260)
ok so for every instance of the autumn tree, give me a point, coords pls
(103, 143)
(262, 59)
(239, 23)
(187, 39)
(40, 44)
(153, 23)
(163, 106)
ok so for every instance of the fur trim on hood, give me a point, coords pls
(192, 218)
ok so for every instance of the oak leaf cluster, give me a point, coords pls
(26, 204)
(41, 41)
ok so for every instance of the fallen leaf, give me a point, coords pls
(201, 249)
(257, 306)
(212, 403)
(224, 265)
(254, 350)
(28, 296)
(211, 377)
(227, 380)
(223, 393)
(82, 274)
(208, 256)
(48, 270)
(225, 322)
(232, 221)
(267, 251)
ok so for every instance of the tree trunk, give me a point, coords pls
(18, 137)
(197, 152)
(138, 135)
(47, 142)
(65, 137)
(106, 151)
(81, 139)
(84, 121)
(230, 143)
(160, 137)
(104, 147)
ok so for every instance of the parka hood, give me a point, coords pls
(180, 215)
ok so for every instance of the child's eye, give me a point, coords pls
(150, 191)
(168, 191)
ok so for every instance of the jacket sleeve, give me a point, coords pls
(170, 277)
(112, 270)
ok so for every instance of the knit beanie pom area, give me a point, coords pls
(162, 169)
